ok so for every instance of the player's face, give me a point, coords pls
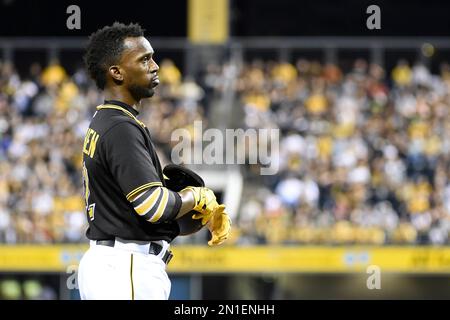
(141, 71)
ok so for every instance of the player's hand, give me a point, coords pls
(219, 226)
(204, 203)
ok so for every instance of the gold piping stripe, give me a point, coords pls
(131, 278)
(148, 203)
(147, 185)
(161, 207)
(138, 196)
(108, 106)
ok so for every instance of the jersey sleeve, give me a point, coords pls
(157, 204)
(128, 159)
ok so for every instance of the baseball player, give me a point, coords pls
(132, 215)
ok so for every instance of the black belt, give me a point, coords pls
(154, 248)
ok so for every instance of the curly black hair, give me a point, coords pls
(105, 47)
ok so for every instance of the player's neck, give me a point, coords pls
(125, 97)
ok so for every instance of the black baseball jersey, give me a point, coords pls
(119, 162)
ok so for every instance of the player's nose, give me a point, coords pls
(154, 67)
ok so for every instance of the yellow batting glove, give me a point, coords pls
(219, 226)
(205, 203)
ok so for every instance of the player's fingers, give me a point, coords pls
(197, 216)
(204, 217)
(221, 208)
(216, 240)
(223, 238)
(214, 243)
(200, 215)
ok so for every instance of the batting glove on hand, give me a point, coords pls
(219, 226)
(204, 203)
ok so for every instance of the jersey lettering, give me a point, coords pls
(90, 142)
(89, 207)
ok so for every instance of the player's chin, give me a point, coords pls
(141, 92)
(144, 92)
(149, 92)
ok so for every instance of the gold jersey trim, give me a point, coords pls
(144, 186)
(128, 113)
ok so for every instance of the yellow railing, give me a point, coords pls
(254, 259)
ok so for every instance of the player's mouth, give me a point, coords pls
(155, 81)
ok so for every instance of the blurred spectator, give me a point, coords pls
(402, 74)
(54, 74)
(169, 73)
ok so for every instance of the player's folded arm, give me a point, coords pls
(157, 204)
(129, 161)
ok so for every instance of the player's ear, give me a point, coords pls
(116, 73)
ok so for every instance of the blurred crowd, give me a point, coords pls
(363, 154)
(43, 119)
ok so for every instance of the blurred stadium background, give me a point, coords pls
(364, 153)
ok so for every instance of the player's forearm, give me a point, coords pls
(187, 202)
(157, 204)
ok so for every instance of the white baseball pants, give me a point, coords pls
(123, 272)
